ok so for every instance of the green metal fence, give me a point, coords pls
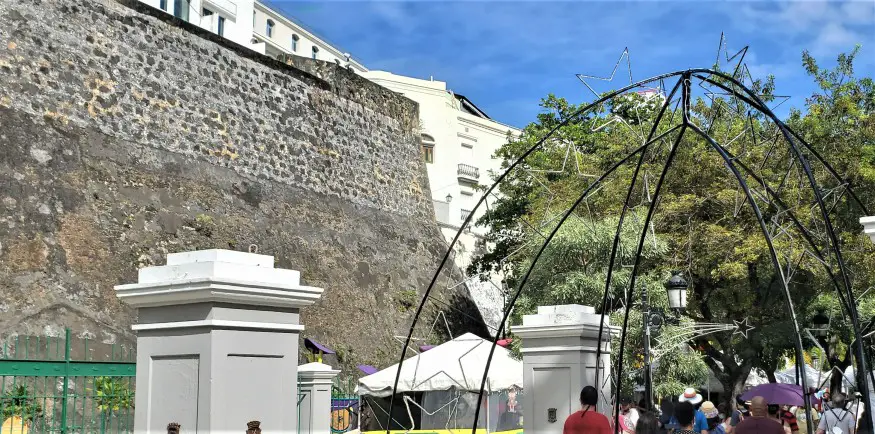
(345, 413)
(53, 385)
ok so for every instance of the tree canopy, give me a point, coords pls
(703, 224)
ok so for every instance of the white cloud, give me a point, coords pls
(834, 37)
(826, 28)
(859, 12)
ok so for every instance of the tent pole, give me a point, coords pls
(488, 411)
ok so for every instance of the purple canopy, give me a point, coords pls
(367, 369)
(316, 347)
(424, 348)
(777, 393)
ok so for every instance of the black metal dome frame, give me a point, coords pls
(797, 147)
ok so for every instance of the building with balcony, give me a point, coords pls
(458, 144)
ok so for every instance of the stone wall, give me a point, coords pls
(126, 134)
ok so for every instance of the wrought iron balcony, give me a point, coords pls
(468, 173)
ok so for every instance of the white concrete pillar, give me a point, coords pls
(559, 359)
(217, 342)
(869, 229)
(315, 381)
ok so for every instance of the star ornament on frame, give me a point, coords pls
(742, 328)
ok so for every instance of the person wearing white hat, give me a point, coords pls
(700, 426)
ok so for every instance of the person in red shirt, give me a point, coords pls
(588, 420)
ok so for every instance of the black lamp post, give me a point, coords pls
(677, 292)
(654, 318)
(821, 324)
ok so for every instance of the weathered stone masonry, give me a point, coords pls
(125, 135)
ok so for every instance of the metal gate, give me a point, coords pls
(48, 385)
(344, 406)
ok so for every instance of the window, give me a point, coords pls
(207, 12)
(180, 9)
(467, 152)
(465, 214)
(269, 29)
(295, 43)
(315, 51)
(221, 25)
(162, 4)
(427, 148)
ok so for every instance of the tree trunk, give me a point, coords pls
(733, 385)
(770, 374)
(839, 366)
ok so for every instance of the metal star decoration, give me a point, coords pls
(625, 53)
(742, 327)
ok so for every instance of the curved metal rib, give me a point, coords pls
(480, 203)
(773, 254)
(862, 364)
(616, 243)
(650, 209)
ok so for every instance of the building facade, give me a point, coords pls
(231, 19)
(281, 35)
(458, 144)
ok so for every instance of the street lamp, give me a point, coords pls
(677, 292)
(821, 324)
(654, 318)
(449, 198)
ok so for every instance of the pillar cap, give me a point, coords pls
(564, 321)
(317, 370)
(218, 276)
(868, 226)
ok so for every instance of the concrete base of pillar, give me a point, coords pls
(217, 342)
(559, 359)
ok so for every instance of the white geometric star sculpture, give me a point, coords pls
(742, 327)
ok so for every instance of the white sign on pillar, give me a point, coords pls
(217, 342)
(559, 359)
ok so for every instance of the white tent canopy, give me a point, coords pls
(458, 363)
(814, 377)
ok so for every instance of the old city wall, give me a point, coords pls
(126, 134)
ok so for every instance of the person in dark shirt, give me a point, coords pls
(685, 415)
(588, 420)
(758, 422)
(741, 412)
(666, 414)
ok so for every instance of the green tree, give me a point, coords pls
(839, 121)
(111, 395)
(703, 224)
(19, 402)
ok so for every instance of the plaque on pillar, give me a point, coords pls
(559, 346)
(217, 342)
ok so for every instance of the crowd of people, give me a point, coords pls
(690, 414)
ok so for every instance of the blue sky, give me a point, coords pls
(505, 56)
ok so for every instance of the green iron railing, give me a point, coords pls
(344, 406)
(48, 385)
